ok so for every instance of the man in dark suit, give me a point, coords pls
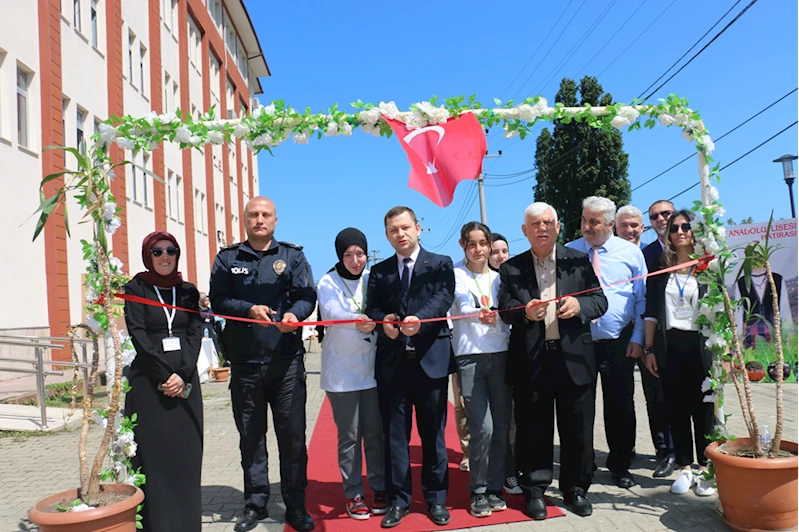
(659, 213)
(554, 363)
(413, 362)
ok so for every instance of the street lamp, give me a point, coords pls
(787, 171)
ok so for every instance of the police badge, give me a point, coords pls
(279, 266)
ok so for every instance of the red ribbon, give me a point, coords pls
(700, 262)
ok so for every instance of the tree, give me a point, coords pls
(576, 161)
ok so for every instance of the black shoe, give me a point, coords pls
(439, 514)
(249, 519)
(496, 501)
(665, 468)
(394, 516)
(297, 517)
(578, 504)
(536, 508)
(478, 505)
(623, 480)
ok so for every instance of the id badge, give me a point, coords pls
(683, 312)
(171, 343)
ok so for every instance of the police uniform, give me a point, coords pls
(267, 365)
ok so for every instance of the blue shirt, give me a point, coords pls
(619, 260)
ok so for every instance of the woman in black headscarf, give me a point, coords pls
(165, 389)
(348, 375)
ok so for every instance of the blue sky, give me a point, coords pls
(410, 51)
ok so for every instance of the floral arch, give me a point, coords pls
(268, 127)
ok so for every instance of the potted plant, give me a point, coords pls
(95, 506)
(755, 370)
(756, 476)
(222, 373)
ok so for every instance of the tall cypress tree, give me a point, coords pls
(576, 161)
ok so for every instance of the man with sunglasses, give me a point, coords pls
(269, 281)
(659, 214)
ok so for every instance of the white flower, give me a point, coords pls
(130, 481)
(389, 110)
(686, 134)
(124, 438)
(704, 172)
(107, 133)
(708, 144)
(709, 398)
(510, 134)
(681, 119)
(711, 246)
(331, 130)
(345, 128)
(100, 420)
(714, 265)
(168, 118)
(619, 122)
(507, 114)
(128, 356)
(629, 112)
(240, 131)
(415, 120)
(301, 137)
(268, 110)
(717, 340)
(82, 508)
(542, 107)
(666, 119)
(195, 140)
(264, 139)
(435, 115)
(129, 449)
(721, 232)
(527, 112)
(112, 225)
(712, 193)
(125, 144)
(707, 384)
(372, 130)
(183, 134)
(109, 211)
(369, 116)
(217, 137)
(116, 264)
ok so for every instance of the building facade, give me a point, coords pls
(67, 65)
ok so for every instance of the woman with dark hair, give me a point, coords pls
(499, 251)
(348, 375)
(481, 348)
(672, 307)
(165, 389)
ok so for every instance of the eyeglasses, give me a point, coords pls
(684, 226)
(171, 251)
(664, 214)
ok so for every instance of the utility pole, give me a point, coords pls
(480, 179)
(374, 259)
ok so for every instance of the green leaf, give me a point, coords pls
(146, 171)
(497, 101)
(50, 177)
(47, 208)
(83, 161)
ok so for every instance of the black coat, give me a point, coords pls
(519, 286)
(431, 293)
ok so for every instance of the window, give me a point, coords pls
(64, 108)
(167, 84)
(145, 180)
(178, 198)
(142, 56)
(76, 14)
(80, 138)
(199, 212)
(134, 188)
(94, 23)
(131, 43)
(172, 8)
(170, 176)
(175, 96)
(194, 42)
(230, 36)
(23, 79)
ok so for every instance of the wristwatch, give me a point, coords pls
(649, 350)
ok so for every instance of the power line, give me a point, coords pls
(639, 36)
(705, 47)
(739, 158)
(691, 48)
(769, 106)
(612, 37)
(471, 196)
(574, 49)
(548, 51)
(551, 29)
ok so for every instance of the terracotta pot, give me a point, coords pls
(756, 375)
(221, 374)
(756, 494)
(117, 517)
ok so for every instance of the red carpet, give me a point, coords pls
(325, 495)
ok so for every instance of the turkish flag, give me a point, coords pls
(443, 155)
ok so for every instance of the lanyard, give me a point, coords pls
(169, 317)
(485, 300)
(682, 288)
(352, 296)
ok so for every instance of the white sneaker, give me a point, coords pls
(683, 483)
(704, 488)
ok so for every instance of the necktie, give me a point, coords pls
(595, 262)
(406, 276)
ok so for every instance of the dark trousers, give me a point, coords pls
(410, 388)
(682, 377)
(281, 385)
(618, 386)
(536, 402)
(656, 412)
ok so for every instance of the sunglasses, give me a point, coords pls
(685, 228)
(664, 214)
(171, 251)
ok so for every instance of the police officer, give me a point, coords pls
(271, 281)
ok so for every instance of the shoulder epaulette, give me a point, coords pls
(233, 246)
(291, 245)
